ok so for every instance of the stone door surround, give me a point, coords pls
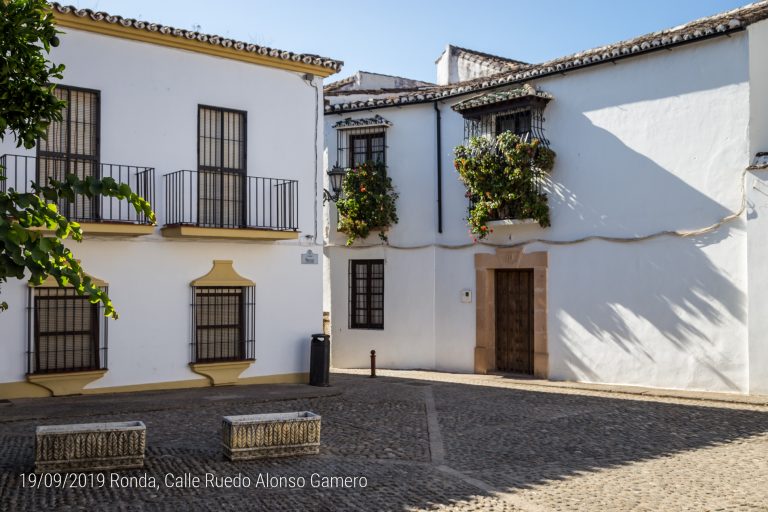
(485, 336)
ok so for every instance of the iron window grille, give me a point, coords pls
(66, 332)
(221, 164)
(361, 145)
(366, 294)
(71, 146)
(524, 118)
(220, 194)
(223, 323)
(525, 121)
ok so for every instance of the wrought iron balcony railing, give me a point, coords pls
(20, 171)
(223, 199)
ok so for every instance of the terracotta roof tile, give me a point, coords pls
(697, 30)
(305, 58)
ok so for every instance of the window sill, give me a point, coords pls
(109, 229)
(65, 383)
(227, 233)
(224, 373)
(512, 222)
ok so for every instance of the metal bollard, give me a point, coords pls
(373, 363)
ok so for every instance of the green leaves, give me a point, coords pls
(27, 101)
(502, 178)
(24, 248)
(368, 201)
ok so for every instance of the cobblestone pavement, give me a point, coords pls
(422, 442)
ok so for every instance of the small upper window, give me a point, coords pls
(368, 147)
(361, 140)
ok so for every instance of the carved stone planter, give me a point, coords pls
(259, 436)
(90, 446)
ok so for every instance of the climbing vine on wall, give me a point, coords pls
(503, 177)
(367, 202)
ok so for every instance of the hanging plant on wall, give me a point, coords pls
(367, 202)
(502, 177)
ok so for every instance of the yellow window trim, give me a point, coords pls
(222, 274)
(227, 233)
(50, 282)
(70, 20)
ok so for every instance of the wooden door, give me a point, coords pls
(514, 321)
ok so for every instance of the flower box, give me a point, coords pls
(90, 446)
(259, 436)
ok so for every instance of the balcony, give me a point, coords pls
(98, 216)
(230, 205)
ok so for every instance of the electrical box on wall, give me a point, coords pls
(466, 296)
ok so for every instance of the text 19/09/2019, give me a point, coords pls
(191, 481)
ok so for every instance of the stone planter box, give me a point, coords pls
(90, 446)
(259, 436)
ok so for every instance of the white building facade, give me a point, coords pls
(652, 272)
(225, 139)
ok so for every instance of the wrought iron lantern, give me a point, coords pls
(336, 178)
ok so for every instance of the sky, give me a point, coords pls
(405, 37)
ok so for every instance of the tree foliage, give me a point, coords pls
(501, 176)
(27, 106)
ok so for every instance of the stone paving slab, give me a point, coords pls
(420, 444)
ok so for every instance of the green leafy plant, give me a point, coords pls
(367, 202)
(27, 106)
(501, 176)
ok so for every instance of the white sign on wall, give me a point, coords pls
(309, 258)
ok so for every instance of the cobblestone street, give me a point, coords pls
(449, 443)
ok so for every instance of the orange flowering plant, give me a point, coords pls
(502, 176)
(367, 202)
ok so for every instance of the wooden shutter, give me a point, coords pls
(221, 167)
(71, 146)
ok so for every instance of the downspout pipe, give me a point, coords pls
(439, 139)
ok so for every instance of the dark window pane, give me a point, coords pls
(366, 289)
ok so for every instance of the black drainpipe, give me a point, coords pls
(439, 170)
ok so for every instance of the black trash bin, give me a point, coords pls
(320, 360)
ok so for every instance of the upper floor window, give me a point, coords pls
(71, 146)
(222, 168)
(367, 147)
(518, 123)
(520, 111)
(361, 140)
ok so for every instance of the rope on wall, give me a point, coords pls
(613, 239)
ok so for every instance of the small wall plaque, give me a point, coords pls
(309, 258)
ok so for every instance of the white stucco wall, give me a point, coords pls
(149, 107)
(757, 213)
(651, 144)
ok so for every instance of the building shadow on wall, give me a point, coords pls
(632, 294)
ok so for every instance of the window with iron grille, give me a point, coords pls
(518, 123)
(366, 294)
(366, 147)
(361, 141)
(221, 167)
(223, 323)
(67, 333)
(71, 146)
